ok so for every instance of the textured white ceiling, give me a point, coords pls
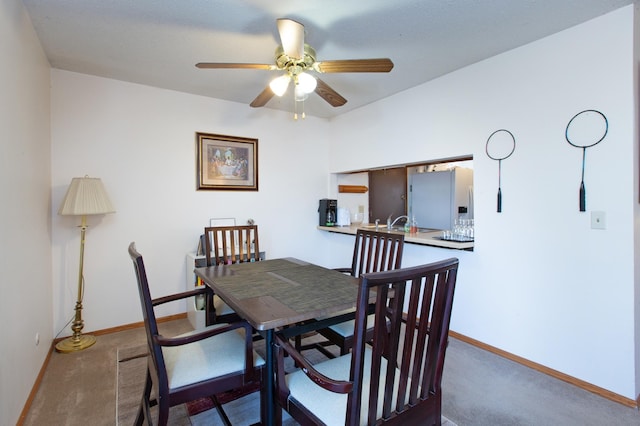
(158, 42)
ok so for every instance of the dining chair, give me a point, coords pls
(373, 251)
(196, 364)
(394, 380)
(226, 245)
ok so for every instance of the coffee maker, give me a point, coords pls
(328, 212)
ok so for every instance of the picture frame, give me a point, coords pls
(226, 162)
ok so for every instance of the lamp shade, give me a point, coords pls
(86, 196)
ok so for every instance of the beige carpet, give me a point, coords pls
(129, 363)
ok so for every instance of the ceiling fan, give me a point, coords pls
(296, 58)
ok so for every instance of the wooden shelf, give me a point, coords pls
(353, 189)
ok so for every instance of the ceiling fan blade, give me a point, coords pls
(328, 94)
(262, 99)
(292, 38)
(355, 65)
(219, 65)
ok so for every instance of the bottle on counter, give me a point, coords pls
(413, 228)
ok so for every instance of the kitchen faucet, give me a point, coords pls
(390, 223)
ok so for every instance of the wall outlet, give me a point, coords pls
(598, 220)
(37, 339)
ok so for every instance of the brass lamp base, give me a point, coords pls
(74, 344)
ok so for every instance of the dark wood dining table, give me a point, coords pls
(278, 293)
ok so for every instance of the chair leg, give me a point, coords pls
(140, 416)
(298, 342)
(278, 416)
(141, 412)
(144, 410)
(163, 412)
(221, 412)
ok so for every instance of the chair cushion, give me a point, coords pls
(331, 407)
(211, 357)
(345, 329)
(221, 307)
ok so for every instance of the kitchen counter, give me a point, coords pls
(425, 237)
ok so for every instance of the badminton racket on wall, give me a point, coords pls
(500, 146)
(586, 129)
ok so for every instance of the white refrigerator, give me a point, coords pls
(437, 198)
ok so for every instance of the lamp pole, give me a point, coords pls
(78, 341)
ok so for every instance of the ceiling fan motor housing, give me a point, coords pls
(295, 65)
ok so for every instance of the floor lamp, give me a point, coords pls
(85, 196)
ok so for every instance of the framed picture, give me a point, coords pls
(227, 162)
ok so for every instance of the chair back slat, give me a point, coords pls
(439, 330)
(412, 316)
(376, 251)
(231, 244)
(380, 334)
(411, 347)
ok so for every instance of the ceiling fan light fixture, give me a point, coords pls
(279, 84)
(306, 83)
(300, 95)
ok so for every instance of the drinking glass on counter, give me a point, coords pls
(463, 230)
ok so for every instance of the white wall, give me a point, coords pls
(141, 142)
(636, 190)
(25, 184)
(540, 284)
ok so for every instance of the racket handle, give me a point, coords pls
(499, 200)
(583, 201)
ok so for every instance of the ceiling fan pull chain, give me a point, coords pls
(302, 114)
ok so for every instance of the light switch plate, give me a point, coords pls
(598, 220)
